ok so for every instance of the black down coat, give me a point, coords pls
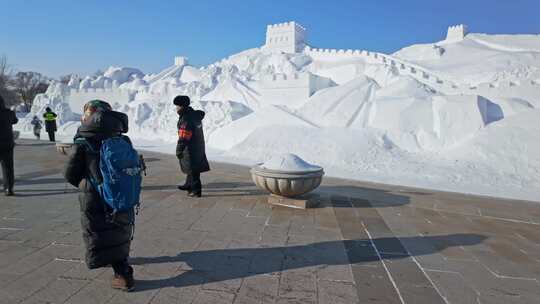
(7, 119)
(190, 149)
(106, 242)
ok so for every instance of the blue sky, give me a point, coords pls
(59, 37)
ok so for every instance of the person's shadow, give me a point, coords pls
(225, 264)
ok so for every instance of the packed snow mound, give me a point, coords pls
(237, 131)
(190, 74)
(329, 147)
(122, 74)
(149, 119)
(259, 63)
(381, 74)
(289, 162)
(339, 72)
(344, 106)
(501, 107)
(434, 123)
(136, 84)
(511, 147)
(369, 155)
(404, 87)
(509, 43)
(234, 89)
(481, 58)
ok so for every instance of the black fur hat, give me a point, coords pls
(181, 100)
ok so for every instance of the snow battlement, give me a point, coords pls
(92, 90)
(288, 37)
(456, 32)
(333, 53)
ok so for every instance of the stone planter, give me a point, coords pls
(290, 184)
(287, 184)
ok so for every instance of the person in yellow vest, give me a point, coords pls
(50, 123)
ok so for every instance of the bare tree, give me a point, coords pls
(65, 78)
(5, 77)
(28, 84)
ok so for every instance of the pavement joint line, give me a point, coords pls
(12, 218)
(500, 276)
(384, 265)
(439, 270)
(61, 232)
(12, 229)
(69, 260)
(67, 278)
(11, 241)
(63, 244)
(429, 279)
(484, 216)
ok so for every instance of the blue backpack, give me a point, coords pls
(121, 168)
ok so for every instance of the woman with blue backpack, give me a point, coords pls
(107, 170)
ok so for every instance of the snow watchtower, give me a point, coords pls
(456, 33)
(288, 37)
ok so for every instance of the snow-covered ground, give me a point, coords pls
(363, 119)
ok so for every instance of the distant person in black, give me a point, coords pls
(50, 123)
(190, 149)
(7, 143)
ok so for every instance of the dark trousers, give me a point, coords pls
(51, 135)
(121, 267)
(8, 173)
(193, 180)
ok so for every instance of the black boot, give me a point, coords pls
(9, 192)
(195, 193)
(184, 187)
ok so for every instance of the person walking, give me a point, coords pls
(50, 123)
(190, 148)
(37, 127)
(107, 233)
(7, 144)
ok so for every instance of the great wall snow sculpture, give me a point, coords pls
(288, 37)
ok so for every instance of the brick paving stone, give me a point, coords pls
(231, 246)
(298, 284)
(331, 292)
(57, 292)
(453, 288)
(217, 297)
(260, 289)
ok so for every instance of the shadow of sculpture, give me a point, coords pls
(210, 266)
(361, 197)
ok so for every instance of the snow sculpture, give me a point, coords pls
(456, 33)
(288, 37)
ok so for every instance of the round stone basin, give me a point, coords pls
(289, 181)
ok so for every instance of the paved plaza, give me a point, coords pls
(365, 243)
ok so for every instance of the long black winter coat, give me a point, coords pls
(106, 242)
(190, 149)
(7, 119)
